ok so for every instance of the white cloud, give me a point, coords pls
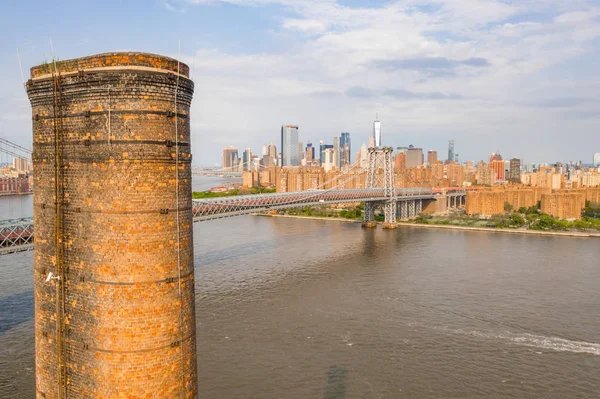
(455, 69)
(490, 73)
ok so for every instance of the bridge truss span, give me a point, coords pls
(221, 207)
(16, 235)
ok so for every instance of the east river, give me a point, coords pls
(290, 308)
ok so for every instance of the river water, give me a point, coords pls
(291, 308)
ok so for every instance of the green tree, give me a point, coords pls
(532, 210)
(591, 210)
(544, 222)
(516, 220)
(508, 207)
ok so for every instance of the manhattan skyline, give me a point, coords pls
(514, 76)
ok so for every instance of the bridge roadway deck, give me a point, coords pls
(17, 235)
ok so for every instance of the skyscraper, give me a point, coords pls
(414, 157)
(377, 132)
(336, 152)
(265, 150)
(450, 151)
(230, 156)
(273, 152)
(328, 159)
(310, 153)
(498, 166)
(301, 152)
(322, 148)
(597, 159)
(399, 161)
(431, 157)
(363, 156)
(289, 146)
(247, 159)
(21, 164)
(514, 172)
(495, 157)
(346, 149)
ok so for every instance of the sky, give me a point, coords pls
(515, 76)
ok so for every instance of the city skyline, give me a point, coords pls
(519, 76)
(424, 153)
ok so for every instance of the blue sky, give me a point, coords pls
(516, 76)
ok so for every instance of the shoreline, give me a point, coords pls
(451, 227)
(310, 217)
(506, 231)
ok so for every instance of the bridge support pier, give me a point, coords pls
(369, 216)
(390, 210)
(411, 209)
(403, 209)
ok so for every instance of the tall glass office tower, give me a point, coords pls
(377, 132)
(345, 149)
(289, 146)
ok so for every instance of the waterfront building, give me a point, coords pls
(563, 204)
(15, 185)
(485, 203)
(492, 201)
(290, 155)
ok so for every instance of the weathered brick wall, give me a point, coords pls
(125, 329)
(154, 61)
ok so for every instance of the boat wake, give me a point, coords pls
(534, 341)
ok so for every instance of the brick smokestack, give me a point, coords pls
(113, 224)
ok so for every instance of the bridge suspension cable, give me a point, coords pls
(14, 150)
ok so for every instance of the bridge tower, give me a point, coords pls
(113, 263)
(380, 174)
